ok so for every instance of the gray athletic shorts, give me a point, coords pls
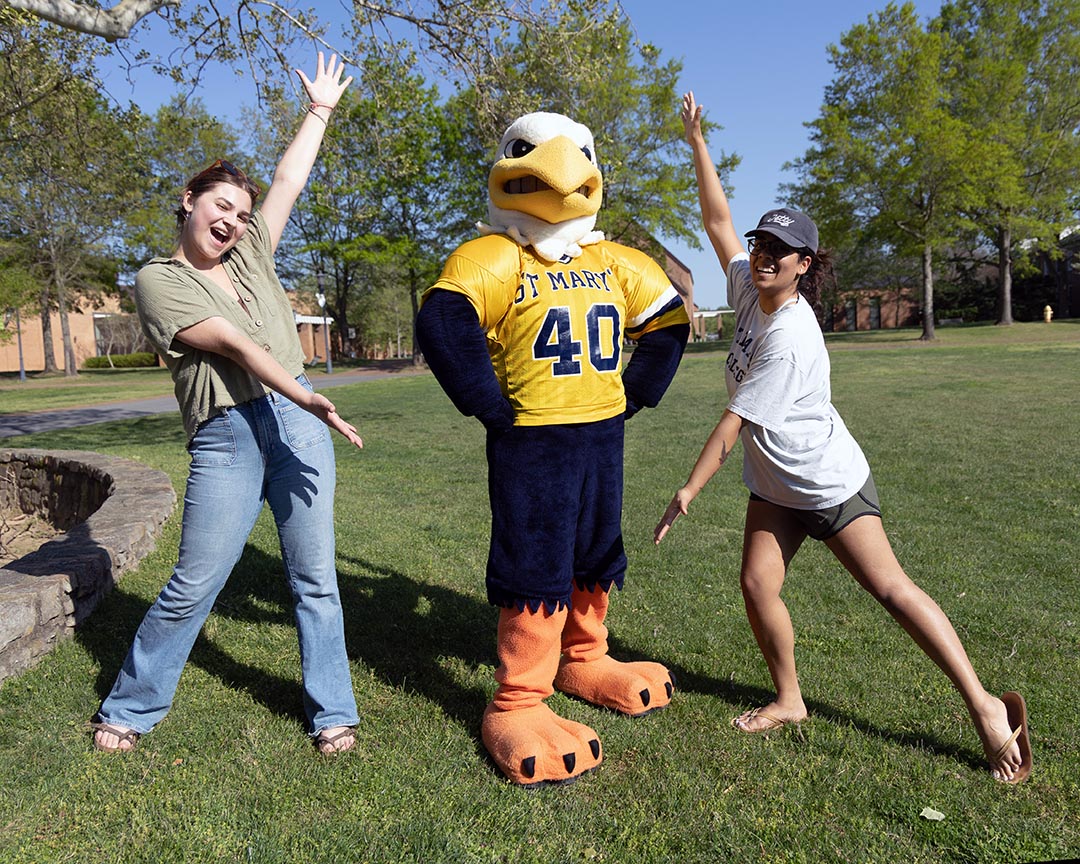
(823, 524)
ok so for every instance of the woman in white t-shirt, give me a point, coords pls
(806, 474)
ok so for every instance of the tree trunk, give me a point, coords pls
(928, 294)
(414, 299)
(1005, 315)
(1061, 282)
(46, 332)
(71, 368)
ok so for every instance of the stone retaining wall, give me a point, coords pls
(111, 511)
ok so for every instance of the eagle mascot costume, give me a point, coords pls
(524, 330)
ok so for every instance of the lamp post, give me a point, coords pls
(321, 297)
(18, 338)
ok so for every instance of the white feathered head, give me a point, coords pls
(545, 189)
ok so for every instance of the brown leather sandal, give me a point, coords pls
(327, 744)
(129, 735)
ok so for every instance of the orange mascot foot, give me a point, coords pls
(535, 745)
(529, 742)
(586, 670)
(629, 688)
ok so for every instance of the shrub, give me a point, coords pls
(122, 361)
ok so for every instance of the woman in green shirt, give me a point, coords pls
(257, 433)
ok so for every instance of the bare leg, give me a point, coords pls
(864, 549)
(771, 538)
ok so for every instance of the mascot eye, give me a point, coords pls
(517, 148)
(587, 152)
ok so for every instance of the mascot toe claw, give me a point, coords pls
(629, 688)
(535, 745)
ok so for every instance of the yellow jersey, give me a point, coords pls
(555, 330)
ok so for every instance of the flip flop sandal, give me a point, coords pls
(771, 721)
(129, 735)
(326, 744)
(1014, 704)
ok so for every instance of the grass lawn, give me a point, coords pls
(40, 392)
(973, 442)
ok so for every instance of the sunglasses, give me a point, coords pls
(769, 246)
(231, 169)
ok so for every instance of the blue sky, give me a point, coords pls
(760, 71)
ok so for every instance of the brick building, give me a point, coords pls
(83, 337)
(87, 341)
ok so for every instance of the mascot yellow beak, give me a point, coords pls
(554, 181)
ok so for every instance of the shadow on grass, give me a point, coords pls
(407, 632)
(108, 436)
(915, 742)
(251, 595)
(402, 629)
(743, 696)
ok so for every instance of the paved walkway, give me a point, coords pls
(66, 418)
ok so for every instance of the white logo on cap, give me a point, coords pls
(780, 219)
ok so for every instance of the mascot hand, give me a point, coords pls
(498, 417)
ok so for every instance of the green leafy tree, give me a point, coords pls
(260, 36)
(890, 164)
(581, 59)
(173, 145)
(379, 212)
(1018, 89)
(67, 173)
(18, 290)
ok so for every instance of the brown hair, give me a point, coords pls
(220, 172)
(817, 276)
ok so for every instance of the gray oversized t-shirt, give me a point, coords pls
(171, 295)
(798, 452)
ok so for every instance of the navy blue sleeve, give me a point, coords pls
(652, 366)
(455, 348)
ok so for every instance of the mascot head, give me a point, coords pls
(545, 189)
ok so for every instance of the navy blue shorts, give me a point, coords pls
(556, 512)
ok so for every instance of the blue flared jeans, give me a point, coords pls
(267, 450)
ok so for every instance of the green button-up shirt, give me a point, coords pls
(171, 295)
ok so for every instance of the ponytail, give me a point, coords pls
(818, 276)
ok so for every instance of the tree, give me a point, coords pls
(889, 161)
(109, 24)
(376, 215)
(121, 334)
(455, 37)
(66, 174)
(17, 290)
(1022, 57)
(173, 145)
(581, 59)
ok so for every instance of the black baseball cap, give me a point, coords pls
(794, 228)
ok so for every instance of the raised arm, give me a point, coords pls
(292, 171)
(220, 337)
(715, 213)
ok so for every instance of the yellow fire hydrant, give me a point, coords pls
(1048, 313)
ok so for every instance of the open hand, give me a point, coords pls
(324, 409)
(327, 87)
(691, 117)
